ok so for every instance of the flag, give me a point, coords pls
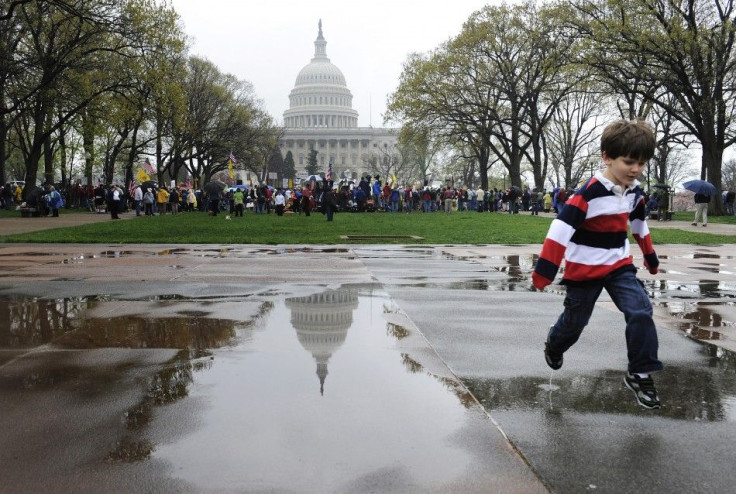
(148, 167)
(142, 176)
(328, 175)
(230, 163)
(131, 188)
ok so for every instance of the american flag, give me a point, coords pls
(328, 175)
(232, 158)
(148, 167)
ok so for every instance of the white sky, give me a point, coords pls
(267, 43)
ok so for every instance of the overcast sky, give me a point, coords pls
(267, 43)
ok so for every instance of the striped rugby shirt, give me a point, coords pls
(591, 233)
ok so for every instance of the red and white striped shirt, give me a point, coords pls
(591, 233)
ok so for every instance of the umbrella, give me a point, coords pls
(214, 188)
(314, 178)
(236, 187)
(700, 187)
(149, 185)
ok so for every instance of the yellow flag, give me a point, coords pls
(142, 176)
(230, 167)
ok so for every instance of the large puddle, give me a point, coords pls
(252, 399)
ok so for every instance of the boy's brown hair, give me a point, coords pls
(628, 138)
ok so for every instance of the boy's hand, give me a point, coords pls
(652, 270)
(539, 282)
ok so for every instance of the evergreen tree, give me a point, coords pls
(312, 165)
(289, 167)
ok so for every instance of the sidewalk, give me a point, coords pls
(350, 369)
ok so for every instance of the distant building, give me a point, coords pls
(321, 117)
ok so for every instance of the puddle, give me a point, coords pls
(697, 393)
(296, 378)
(304, 389)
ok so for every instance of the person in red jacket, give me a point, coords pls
(591, 233)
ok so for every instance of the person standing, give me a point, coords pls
(306, 200)
(114, 198)
(174, 200)
(534, 197)
(148, 200)
(329, 202)
(137, 199)
(594, 224)
(55, 201)
(376, 190)
(547, 199)
(730, 197)
(701, 209)
(279, 202)
(238, 199)
(448, 195)
(162, 199)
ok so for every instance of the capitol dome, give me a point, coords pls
(320, 98)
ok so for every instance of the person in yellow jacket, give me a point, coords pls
(162, 200)
(547, 202)
(191, 200)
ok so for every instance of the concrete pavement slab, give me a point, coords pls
(350, 369)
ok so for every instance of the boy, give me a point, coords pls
(591, 234)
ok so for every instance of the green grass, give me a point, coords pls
(435, 228)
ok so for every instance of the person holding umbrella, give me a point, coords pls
(703, 192)
(701, 209)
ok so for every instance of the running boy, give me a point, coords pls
(591, 234)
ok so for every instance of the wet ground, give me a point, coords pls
(202, 368)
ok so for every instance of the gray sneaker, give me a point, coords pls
(644, 390)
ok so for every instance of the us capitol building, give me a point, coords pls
(321, 117)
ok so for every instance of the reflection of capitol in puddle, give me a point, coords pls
(321, 322)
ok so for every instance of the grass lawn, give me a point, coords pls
(374, 228)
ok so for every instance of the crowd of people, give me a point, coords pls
(369, 195)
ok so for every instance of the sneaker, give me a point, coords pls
(644, 390)
(554, 360)
(694, 224)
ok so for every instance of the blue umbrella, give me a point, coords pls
(700, 187)
(237, 187)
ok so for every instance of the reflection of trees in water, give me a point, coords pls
(687, 393)
(172, 382)
(196, 333)
(396, 330)
(453, 385)
(167, 386)
(27, 323)
(30, 322)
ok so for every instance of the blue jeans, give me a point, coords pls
(629, 296)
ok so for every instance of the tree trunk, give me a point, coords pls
(88, 144)
(3, 147)
(711, 162)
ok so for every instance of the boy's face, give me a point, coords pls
(622, 170)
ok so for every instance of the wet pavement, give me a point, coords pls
(207, 368)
